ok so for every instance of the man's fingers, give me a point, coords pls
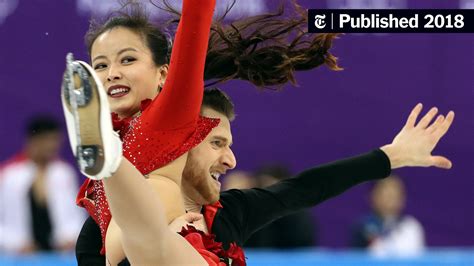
(439, 120)
(424, 122)
(443, 128)
(414, 115)
(192, 217)
(441, 162)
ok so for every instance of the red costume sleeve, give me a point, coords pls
(178, 104)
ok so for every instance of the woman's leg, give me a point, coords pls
(135, 206)
(137, 210)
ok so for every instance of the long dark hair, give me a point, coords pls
(265, 49)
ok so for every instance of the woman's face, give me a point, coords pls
(125, 66)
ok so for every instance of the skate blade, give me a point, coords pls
(85, 107)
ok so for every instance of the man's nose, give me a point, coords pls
(229, 160)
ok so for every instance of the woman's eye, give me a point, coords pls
(100, 66)
(128, 60)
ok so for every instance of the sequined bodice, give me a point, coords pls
(147, 150)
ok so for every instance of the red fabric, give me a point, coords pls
(17, 158)
(195, 239)
(170, 125)
(234, 252)
(210, 212)
(179, 102)
(212, 251)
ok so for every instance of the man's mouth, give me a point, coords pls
(215, 176)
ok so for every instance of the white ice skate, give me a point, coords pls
(97, 148)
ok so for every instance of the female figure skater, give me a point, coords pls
(124, 55)
(129, 73)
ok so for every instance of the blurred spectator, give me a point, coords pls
(238, 180)
(386, 231)
(37, 194)
(292, 231)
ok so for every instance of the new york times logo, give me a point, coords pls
(391, 20)
(377, 22)
(319, 21)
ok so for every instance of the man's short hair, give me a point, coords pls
(219, 101)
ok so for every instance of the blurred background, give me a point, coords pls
(327, 116)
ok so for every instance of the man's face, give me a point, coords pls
(208, 161)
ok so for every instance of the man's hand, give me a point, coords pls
(188, 218)
(415, 142)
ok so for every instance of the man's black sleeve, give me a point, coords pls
(246, 211)
(89, 244)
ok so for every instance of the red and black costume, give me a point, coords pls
(240, 213)
(170, 125)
